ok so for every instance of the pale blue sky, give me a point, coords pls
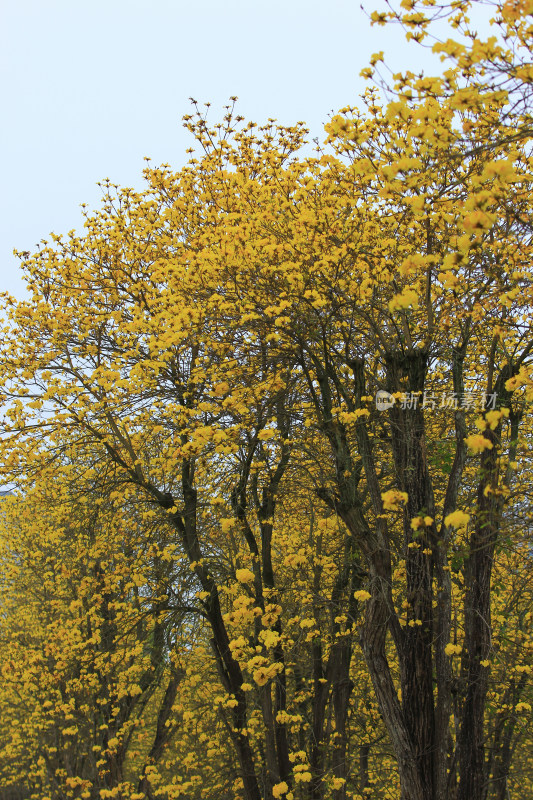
(90, 88)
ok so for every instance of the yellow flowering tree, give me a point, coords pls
(84, 638)
(313, 376)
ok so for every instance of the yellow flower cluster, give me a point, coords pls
(394, 500)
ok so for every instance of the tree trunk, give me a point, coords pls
(364, 752)
(373, 642)
(478, 632)
(412, 476)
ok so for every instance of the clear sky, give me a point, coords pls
(90, 88)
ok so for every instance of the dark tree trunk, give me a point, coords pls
(412, 476)
(364, 752)
(320, 697)
(478, 631)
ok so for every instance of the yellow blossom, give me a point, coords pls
(457, 519)
(393, 500)
(408, 298)
(453, 649)
(244, 575)
(476, 443)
